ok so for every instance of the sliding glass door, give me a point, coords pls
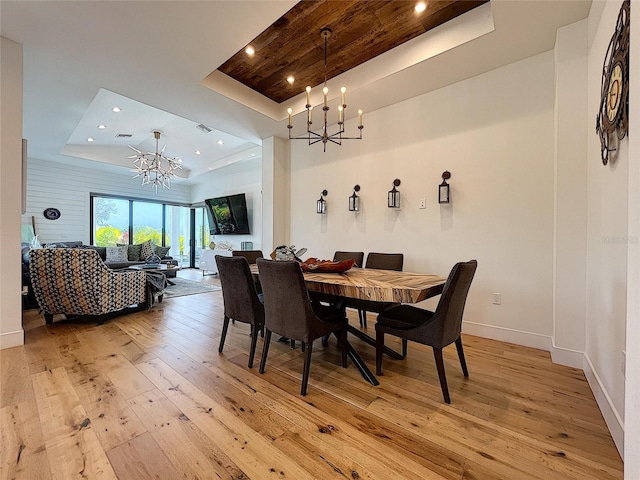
(122, 220)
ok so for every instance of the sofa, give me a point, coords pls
(30, 299)
(74, 281)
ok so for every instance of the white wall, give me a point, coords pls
(494, 133)
(242, 177)
(570, 216)
(67, 188)
(11, 332)
(632, 384)
(276, 188)
(607, 238)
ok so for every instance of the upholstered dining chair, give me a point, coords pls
(381, 261)
(250, 255)
(357, 257)
(241, 300)
(436, 329)
(290, 313)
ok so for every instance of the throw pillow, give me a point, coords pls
(145, 250)
(102, 251)
(162, 251)
(133, 251)
(117, 254)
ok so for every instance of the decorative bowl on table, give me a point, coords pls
(317, 265)
(152, 261)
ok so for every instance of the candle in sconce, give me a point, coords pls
(309, 112)
(325, 92)
(360, 117)
(308, 89)
(343, 90)
(340, 111)
(289, 111)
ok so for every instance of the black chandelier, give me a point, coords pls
(325, 136)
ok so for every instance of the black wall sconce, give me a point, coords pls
(354, 200)
(321, 204)
(444, 192)
(393, 197)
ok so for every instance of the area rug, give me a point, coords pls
(184, 287)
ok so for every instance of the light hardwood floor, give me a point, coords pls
(148, 396)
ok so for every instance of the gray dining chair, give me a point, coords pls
(436, 329)
(290, 313)
(250, 255)
(380, 261)
(241, 300)
(357, 257)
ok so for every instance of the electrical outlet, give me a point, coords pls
(497, 298)
(423, 203)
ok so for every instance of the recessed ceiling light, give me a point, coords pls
(220, 142)
(90, 139)
(197, 152)
(420, 7)
(116, 109)
(102, 126)
(250, 50)
(290, 79)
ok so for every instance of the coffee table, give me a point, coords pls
(168, 271)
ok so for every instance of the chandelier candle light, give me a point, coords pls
(324, 137)
(149, 166)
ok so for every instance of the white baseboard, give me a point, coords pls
(562, 356)
(527, 339)
(11, 339)
(611, 416)
(565, 356)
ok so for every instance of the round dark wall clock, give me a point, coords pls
(51, 214)
(613, 116)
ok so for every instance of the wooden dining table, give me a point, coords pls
(375, 285)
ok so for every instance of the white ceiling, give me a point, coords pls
(150, 58)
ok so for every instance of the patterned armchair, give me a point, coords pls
(74, 281)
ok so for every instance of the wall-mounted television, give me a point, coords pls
(228, 215)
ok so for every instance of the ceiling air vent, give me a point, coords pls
(124, 135)
(203, 128)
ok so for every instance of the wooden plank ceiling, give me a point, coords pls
(361, 30)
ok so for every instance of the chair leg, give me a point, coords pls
(379, 347)
(293, 344)
(360, 317)
(254, 341)
(343, 341)
(48, 318)
(225, 327)
(404, 348)
(463, 362)
(265, 350)
(437, 353)
(305, 371)
(303, 346)
(364, 318)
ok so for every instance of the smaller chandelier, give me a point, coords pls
(150, 166)
(324, 137)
